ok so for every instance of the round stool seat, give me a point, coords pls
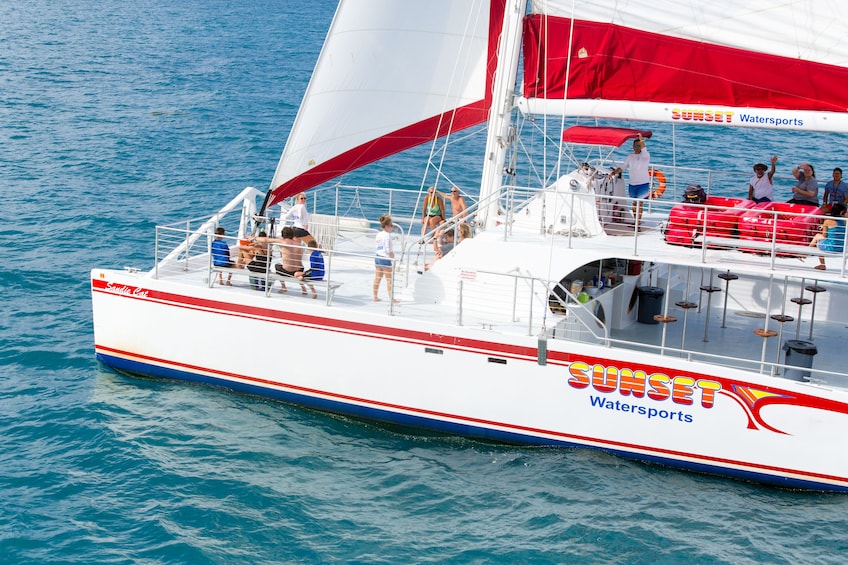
(728, 276)
(709, 288)
(814, 288)
(664, 319)
(801, 301)
(781, 318)
(762, 332)
(685, 304)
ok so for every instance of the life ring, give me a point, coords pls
(661, 183)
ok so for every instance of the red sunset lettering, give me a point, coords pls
(657, 386)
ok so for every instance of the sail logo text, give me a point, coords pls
(639, 384)
(126, 290)
(700, 115)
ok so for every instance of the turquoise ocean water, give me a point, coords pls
(116, 116)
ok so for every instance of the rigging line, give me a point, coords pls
(456, 139)
(528, 152)
(434, 146)
(560, 142)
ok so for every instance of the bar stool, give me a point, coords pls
(815, 289)
(709, 289)
(726, 277)
(780, 319)
(686, 306)
(801, 301)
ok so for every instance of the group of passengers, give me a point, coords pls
(761, 189)
(806, 189)
(433, 216)
(831, 237)
(254, 253)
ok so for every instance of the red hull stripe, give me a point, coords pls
(407, 137)
(331, 324)
(611, 62)
(585, 440)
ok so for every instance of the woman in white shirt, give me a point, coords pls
(298, 215)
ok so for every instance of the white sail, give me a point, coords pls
(366, 101)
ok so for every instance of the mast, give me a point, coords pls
(500, 113)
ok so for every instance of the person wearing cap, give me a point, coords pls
(761, 188)
(807, 189)
(835, 191)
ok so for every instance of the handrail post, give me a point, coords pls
(156, 255)
(514, 297)
(459, 303)
(187, 233)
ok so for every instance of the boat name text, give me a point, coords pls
(639, 384)
(125, 290)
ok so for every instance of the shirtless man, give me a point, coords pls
(457, 203)
(291, 251)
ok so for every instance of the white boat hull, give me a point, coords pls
(475, 382)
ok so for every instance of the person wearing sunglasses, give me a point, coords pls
(298, 215)
(458, 205)
(433, 211)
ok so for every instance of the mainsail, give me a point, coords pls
(391, 75)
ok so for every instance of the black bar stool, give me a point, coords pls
(709, 289)
(815, 289)
(780, 319)
(726, 277)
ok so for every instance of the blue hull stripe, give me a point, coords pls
(453, 428)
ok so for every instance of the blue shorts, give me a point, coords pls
(382, 261)
(639, 190)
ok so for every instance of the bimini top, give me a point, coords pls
(612, 137)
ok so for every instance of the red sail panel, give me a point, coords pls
(390, 144)
(611, 62)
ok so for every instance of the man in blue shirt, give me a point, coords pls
(836, 191)
(221, 255)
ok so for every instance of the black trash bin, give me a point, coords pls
(798, 359)
(650, 304)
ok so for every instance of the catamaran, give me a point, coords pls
(698, 336)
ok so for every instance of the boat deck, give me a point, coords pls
(706, 332)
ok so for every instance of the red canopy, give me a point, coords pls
(612, 137)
